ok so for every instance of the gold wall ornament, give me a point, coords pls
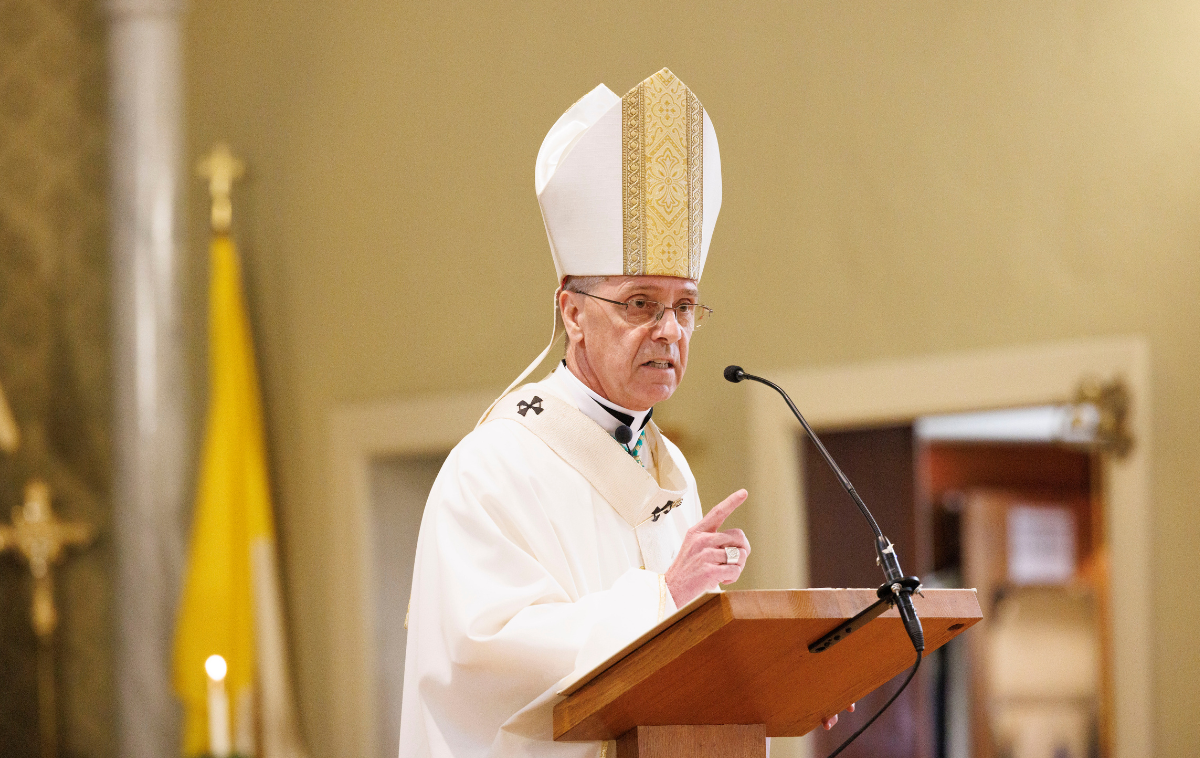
(10, 433)
(41, 539)
(221, 168)
(1111, 400)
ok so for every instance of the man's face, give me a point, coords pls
(633, 366)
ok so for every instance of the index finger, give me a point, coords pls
(713, 519)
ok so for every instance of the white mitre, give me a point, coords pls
(631, 185)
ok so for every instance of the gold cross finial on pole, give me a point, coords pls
(10, 434)
(221, 168)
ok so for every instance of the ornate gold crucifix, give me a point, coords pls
(41, 539)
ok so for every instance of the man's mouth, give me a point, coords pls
(659, 364)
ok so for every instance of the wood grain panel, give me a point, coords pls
(728, 741)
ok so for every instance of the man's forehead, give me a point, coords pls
(656, 284)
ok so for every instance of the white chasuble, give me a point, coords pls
(541, 553)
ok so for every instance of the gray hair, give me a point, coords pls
(584, 285)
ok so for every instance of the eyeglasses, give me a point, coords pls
(639, 311)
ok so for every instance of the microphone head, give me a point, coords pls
(734, 374)
(623, 434)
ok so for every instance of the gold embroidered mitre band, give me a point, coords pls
(662, 129)
(632, 185)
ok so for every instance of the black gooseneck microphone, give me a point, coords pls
(896, 590)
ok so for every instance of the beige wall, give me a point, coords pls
(900, 179)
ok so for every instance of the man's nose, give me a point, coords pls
(668, 327)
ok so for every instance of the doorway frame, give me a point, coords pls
(899, 391)
(361, 433)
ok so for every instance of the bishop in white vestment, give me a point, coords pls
(566, 524)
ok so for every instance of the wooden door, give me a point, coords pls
(841, 550)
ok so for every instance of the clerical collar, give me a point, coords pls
(604, 412)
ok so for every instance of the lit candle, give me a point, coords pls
(218, 707)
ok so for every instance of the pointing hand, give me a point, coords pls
(701, 564)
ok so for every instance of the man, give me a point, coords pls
(566, 525)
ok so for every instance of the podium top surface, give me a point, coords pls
(742, 658)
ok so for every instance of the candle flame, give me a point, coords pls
(215, 667)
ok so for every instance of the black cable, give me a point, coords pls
(892, 699)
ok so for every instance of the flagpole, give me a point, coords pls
(233, 574)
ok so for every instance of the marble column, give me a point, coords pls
(151, 453)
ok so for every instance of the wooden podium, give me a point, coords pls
(723, 674)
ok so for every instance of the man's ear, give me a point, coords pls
(568, 306)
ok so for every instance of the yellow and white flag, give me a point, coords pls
(231, 603)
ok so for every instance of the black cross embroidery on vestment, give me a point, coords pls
(663, 510)
(536, 406)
